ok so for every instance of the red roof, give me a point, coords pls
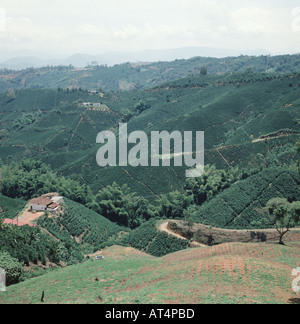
(15, 222)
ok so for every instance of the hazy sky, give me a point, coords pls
(96, 26)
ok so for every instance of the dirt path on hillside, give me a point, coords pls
(204, 235)
(164, 228)
(264, 139)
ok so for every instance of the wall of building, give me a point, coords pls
(38, 207)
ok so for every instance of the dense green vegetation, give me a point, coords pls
(146, 238)
(76, 221)
(12, 267)
(212, 182)
(284, 214)
(121, 206)
(174, 205)
(31, 245)
(239, 206)
(248, 119)
(10, 208)
(28, 179)
(48, 129)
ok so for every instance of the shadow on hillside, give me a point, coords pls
(294, 301)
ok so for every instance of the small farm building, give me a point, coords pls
(45, 203)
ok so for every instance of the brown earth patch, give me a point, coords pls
(28, 217)
(213, 236)
(120, 252)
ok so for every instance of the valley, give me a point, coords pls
(164, 238)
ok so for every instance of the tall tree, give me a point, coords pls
(285, 215)
(203, 70)
(118, 204)
(11, 95)
(211, 183)
(174, 205)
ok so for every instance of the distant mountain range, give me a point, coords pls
(32, 59)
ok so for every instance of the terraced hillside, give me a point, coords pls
(49, 122)
(80, 223)
(249, 120)
(240, 206)
(229, 273)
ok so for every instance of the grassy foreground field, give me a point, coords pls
(228, 273)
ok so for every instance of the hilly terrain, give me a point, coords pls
(232, 273)
(245, 117)
(140, 75)
(239, 206)
(142, 222)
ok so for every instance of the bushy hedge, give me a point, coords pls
(31, 245)
(165, 244)
(13, 268)
(148, 239)
(81, 222)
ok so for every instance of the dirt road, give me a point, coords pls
(164, 228)
(204, 235)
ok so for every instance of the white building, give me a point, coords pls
(49, 202)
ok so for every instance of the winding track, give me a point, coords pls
(165, 228)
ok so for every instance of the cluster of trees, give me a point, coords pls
(120, 205)
(139, 107)
(29, 245)
(285, 214)
(73, 90)
(146, 238)
(175, 205)
(124, 207)
(28, 179)
(203, 70)
(26, 120)
(212, 182)
(79, 222)
(12, 267)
